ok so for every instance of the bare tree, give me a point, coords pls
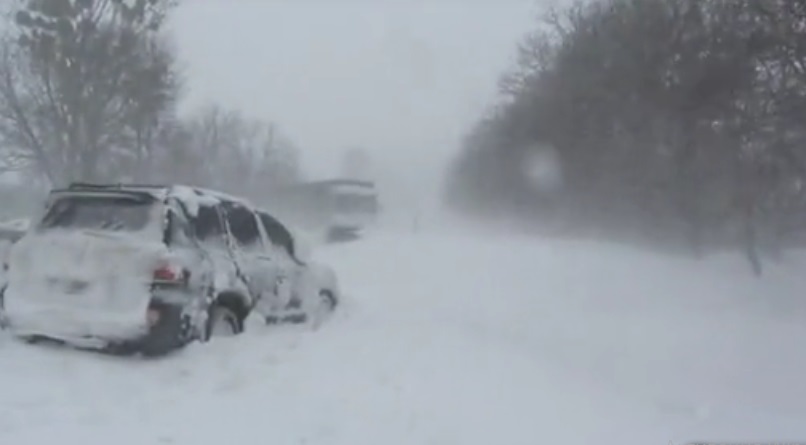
(673, 120)
(239, 154)
(82, 83)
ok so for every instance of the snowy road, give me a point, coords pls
(458, 338)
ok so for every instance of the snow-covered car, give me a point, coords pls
(304, 276)
(10, 233)
(13, 230)
(129, 268)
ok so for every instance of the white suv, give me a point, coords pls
(138, 268)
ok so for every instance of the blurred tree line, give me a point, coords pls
(89, 91)
(673, 122)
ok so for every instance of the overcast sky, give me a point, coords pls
(403, 79)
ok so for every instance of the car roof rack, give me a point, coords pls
(118, 185)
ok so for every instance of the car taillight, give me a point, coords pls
(168, 273)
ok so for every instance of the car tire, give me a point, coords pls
(223, 322)
(327, 305)
(328, 299)
(169, 334)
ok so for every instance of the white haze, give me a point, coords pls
(447, 334)
(404, 80)
(544, 170)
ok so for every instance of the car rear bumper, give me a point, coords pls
(75, 326)
(115, 334)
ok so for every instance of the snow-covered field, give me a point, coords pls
(455, 337)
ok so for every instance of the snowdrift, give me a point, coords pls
(459, 338)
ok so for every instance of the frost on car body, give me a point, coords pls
(107, 267)
(142, 268)
(78, 284)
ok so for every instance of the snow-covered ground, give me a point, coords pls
(456, 337)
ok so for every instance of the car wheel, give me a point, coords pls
(167, 334)
(327, 304)
(328, 300)
(223, 322)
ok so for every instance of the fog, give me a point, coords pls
(403, 80)
(578, 227)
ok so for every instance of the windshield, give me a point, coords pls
(112, 213)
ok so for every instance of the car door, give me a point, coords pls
(280, 243)
(279, 237)
(181, 238)
(255, 262)
(210, 231)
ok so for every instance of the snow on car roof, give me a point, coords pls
(219, 196)
(192, 197)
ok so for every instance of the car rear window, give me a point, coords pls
(112, 213)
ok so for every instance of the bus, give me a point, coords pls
(341, 209)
